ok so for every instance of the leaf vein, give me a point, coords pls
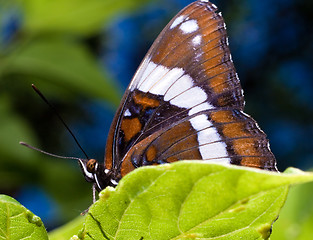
(229, 207)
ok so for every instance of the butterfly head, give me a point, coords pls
(96, 173)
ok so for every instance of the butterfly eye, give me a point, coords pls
(92, 165)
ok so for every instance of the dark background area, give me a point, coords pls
(84, 57)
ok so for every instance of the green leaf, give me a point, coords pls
(74, 16)
(68, 230)
(65, 63)
(296, 218)
(16, 222)
(191, 200)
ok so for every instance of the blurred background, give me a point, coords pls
(83, 54)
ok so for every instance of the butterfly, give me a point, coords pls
(184, 102)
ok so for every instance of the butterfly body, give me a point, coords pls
(185, 102)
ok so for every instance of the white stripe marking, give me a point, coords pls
(177, 21)
(200, 122)
(139, 73)
(179, 89)
(202, 107)
(208, 135)
(197, 40)
(127, 113)
(161, 86)
(189, 26)
(147, 71)
(225, 160)
(151, 76)
(184, 83)
(176, 87)
(213, 5)
(213, 150)
(190, 98)
(210, 145)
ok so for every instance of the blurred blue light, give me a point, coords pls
(37, 201)
(10, 24)
(297, 76)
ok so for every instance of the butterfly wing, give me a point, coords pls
(185, 101)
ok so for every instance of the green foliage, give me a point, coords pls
(183, 200)
(188, 200)
(296, 218)
(50, 48)
(179, 201)
(191, 200)
(68, 230)
(74, 16)
(16, 222)
(63, 62)
(12, 128)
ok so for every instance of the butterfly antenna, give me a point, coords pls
(46, 153)
(61, 119)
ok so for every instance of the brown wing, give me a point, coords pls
(185, 101)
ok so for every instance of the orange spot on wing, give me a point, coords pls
(127, 166)
(222, 116)
(245, 147)
(145, 101)
(176, 140)
(171, 159)
(215, 51)
(234, 130)
(151, 153)
(218, 83)
(109, 151)
(130, 127)
(252, 162)
(108, 162)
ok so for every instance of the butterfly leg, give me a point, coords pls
(93, 193)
